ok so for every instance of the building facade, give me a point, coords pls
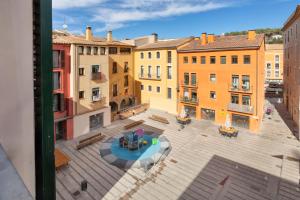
(274, 63)
(155, 73)
(222, 77)
(121, 76)
(292, 62)
(62, 100)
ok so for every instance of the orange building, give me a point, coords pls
(222, 77)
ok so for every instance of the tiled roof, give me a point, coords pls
(66, 38)
(172, 43)
(274, 46)
(295, 15)
(224, 43)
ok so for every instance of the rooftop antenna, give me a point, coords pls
(65, 26)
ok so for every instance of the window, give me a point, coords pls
(268, 73)
(115, 68)
(95, 94)
(212, 78)
(169, 93)
(142, 71)
(58, 103)
(246, 100)
(149, 55)
(149, 88)
(246, 82)
(247, 59)
(112, 50)
(95, 69)
(125, 50)
(193, 79)
(277, 66)
(115, 90)
(186, 79)
(169, 72)
(203, 59)
(126, 81)
(213, 60)
(95, 50)
(142, 55)
(149, 71)
(126, 68)
(158, 72)
(276, 74)
(194, 95)
(96, 121)
(81, 71)
(158, 89)
(223, 59)
(269, 66)
(81, 94)
(142, 87)
(88, 50)
(58, 58)
(235, 99)
(235, 81)
(213, 95)
(194, 59)
(80, 50)
(185, 59)
(158, 55)
(56, 80)
(169, 56)
(102, 50)
(234, 59)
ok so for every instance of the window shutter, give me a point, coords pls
(62, 58)
(62, 102)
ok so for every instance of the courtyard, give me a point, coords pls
(201, 164)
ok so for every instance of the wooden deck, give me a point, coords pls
(201, 165)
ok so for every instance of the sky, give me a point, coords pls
(169, 18)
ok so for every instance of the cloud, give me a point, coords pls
(65, 4)
(140, 10)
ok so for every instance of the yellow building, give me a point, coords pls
(121, 80)
(274, 63)
(155, 73)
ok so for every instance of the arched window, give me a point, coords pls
(158, 55)
(149, 55)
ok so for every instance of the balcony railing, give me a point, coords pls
(97, 99)
(96, 76)
(240, 88)
(189, 100)
(240, 108)
(189, 83)
(150, 76)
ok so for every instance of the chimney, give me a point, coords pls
(155, 37)
(203, 39)
(109, 36)
(251, 34)
(210, 38)
(88, 33)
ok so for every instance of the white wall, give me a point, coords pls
(16, 86)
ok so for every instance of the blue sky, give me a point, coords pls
(169, 18)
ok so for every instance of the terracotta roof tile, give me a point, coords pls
(224, 43)
(173, 43)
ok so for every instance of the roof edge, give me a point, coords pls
(291, 18)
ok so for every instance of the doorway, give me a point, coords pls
(208, 114)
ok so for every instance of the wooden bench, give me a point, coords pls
(61, 159)
(159, 119)
(133, 124)
(88, 139)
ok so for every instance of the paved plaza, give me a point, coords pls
(201, 165)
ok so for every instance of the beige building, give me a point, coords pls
(292, 63)
(155, 72)
(90, 79)
(274, 63)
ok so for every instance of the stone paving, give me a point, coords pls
(201, 165)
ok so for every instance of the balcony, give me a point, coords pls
(96, 76)
(150, 77)
(191, 84)
(240, 108)
(241, 89)
(189, 100)
(97, 99)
